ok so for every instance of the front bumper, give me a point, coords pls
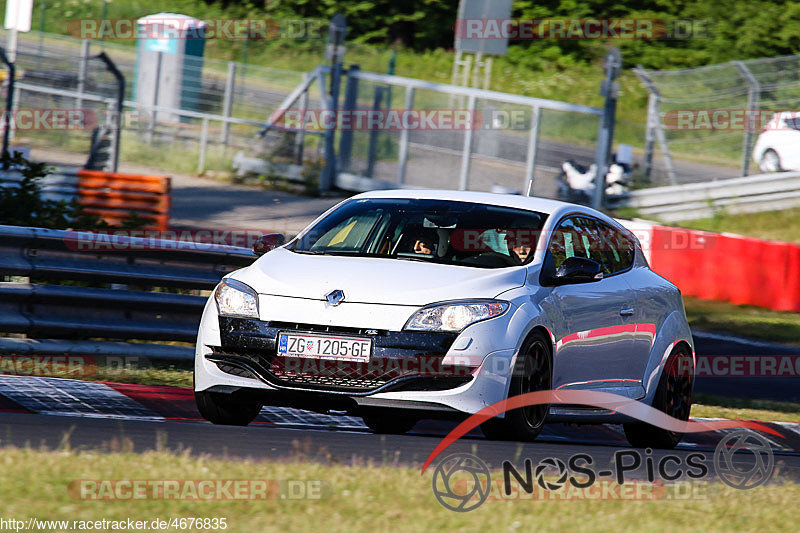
(234, 354)
(400, 360)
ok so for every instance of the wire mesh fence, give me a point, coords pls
(717, 113)
(221, 112)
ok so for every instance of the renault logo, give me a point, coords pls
(335, 297)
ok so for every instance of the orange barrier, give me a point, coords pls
(113, 196)
(729, 268)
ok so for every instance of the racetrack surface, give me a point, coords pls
(52, 412)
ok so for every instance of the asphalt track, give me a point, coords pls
(164, 419)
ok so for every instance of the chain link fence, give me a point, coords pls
(224, 112)
(716, 113)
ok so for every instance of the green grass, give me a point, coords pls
(358, 498)
(744, 320)
(770, 225)
(708, 406)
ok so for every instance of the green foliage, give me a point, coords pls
(732, 29)
(24, 205)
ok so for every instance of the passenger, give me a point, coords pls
(423, 245)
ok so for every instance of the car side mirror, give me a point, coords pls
(578, 270)
(267, 243)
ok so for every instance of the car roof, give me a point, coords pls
(530, 203)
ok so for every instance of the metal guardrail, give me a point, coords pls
(67, 315)
(764, 192)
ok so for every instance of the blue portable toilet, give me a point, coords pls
(169, 62)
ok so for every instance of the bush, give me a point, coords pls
(24, 205)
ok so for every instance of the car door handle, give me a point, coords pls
(626, 312)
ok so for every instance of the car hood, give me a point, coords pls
(372, 280)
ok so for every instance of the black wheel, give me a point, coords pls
(235, 409)
(770, 161)
(673, 397)
(533, 372)
(389, 423)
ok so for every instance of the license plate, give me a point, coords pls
(324, 347)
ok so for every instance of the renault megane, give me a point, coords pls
(402, 305)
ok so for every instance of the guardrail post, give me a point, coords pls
(227, 106)
(466, 154)
(403, 153)
(753, 96)
(201, 160)
(533, 144)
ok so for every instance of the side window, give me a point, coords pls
(621, 248)
(575, 237)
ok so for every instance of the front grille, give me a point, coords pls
(252, 344)
(235, 370)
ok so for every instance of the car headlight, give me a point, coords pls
(234, 298)
(455, 316)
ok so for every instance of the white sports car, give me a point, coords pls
(402, 305)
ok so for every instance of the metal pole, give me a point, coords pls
(11, 45)
(350, 102)
(650, 135)
(753, 96)
(9, 103)
(533, 143)
(466, 154)
(403, 155)
(605, 135)
(201, 160)
(227, 105)
(42, 20)
(82, 68)
(155, 99)
(337, 31)
(377, 105)
(120, 102)
(655, 124)
(300, 140)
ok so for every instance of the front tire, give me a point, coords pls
(673, 397)
(235, 409)
(533, 371)
(770, 161)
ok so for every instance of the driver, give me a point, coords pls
(519, 245)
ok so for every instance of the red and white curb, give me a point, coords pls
(67, 397)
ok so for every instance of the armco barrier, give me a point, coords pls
(729, 268)
(69, 315)
(109, 195)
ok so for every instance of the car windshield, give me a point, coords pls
(436, 231)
